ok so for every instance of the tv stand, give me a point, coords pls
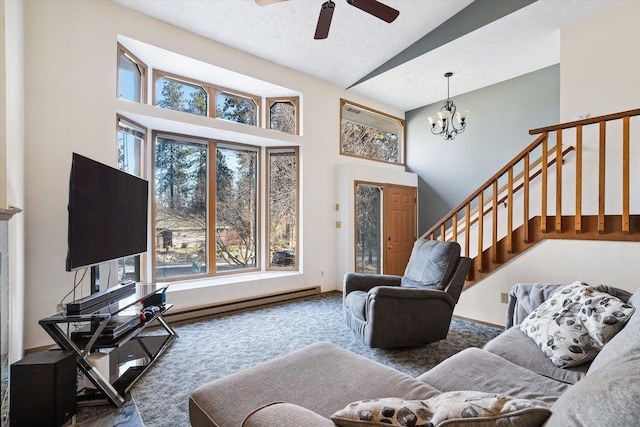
(112, 348)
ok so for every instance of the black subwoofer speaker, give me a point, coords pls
(43, 389)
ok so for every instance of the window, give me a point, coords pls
(189, 96)
(369, 134)
(368, 228)
(131, 76)
(130, 150)
(283, 207)
(236, 208)
(180, 187)
(237, 108)
(194, 235)
(181, 96)
(283, 114)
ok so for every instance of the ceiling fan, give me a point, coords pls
(373, 7)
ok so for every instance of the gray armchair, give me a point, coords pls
(415, 309)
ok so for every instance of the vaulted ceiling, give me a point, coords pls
(400, 64)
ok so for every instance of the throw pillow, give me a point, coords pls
(459, 408)
(575, 323)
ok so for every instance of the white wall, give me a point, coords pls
(71, 85)
(600, 65)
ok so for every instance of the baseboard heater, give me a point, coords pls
(225, 307)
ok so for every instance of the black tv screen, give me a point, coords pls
(107, 214)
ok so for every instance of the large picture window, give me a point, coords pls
(206, 210)
(370, 134)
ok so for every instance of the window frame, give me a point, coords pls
(267, 245)
(212, 91)
(142, 67)
(141, 259)
(402, 134)
(259, 206)
(295, 100)
(211, 146)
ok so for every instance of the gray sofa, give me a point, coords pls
(307, 386)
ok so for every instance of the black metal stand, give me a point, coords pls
(118, 332)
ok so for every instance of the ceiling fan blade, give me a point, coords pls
(324, 20)
(266, 2)
(377, 9)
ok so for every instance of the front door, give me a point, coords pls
(400, 228)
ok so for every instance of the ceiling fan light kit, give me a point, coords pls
(443, 123)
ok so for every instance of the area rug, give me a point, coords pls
(221, 345)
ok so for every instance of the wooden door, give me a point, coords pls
(400, 228)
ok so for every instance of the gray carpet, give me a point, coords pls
(218, 346)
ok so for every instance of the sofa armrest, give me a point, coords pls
(364, 282)
(526, 297)
(283, 414)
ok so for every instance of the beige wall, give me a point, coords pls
(600, 65)
(71, 106)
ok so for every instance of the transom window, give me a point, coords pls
(370, 134)
(131, 76)
(190, 96)
(237, 108)
(177, 95)
(283, 114)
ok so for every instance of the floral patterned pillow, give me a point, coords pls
(575, 323)
(458, 408)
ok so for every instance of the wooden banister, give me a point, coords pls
(584, 122)
(504, 244)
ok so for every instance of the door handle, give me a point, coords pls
(389, 247)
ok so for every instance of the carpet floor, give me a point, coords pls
(218, 346)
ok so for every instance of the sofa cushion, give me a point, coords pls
(575, 323)
(608, 396)
(321, 377)
(515, 346)
(431, 263)
(479, 370)
(459, 408)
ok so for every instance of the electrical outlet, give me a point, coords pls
(322, 273)
(504, 298)
(59, 308)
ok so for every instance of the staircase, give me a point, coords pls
(579, 192)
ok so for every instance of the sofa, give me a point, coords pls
(324, 385)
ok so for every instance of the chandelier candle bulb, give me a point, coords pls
(444, 115)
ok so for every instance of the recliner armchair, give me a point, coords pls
(391, 311)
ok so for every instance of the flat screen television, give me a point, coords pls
(107, 214)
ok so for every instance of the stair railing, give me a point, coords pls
(470, 215)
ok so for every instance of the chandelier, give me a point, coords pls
(444, 124)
